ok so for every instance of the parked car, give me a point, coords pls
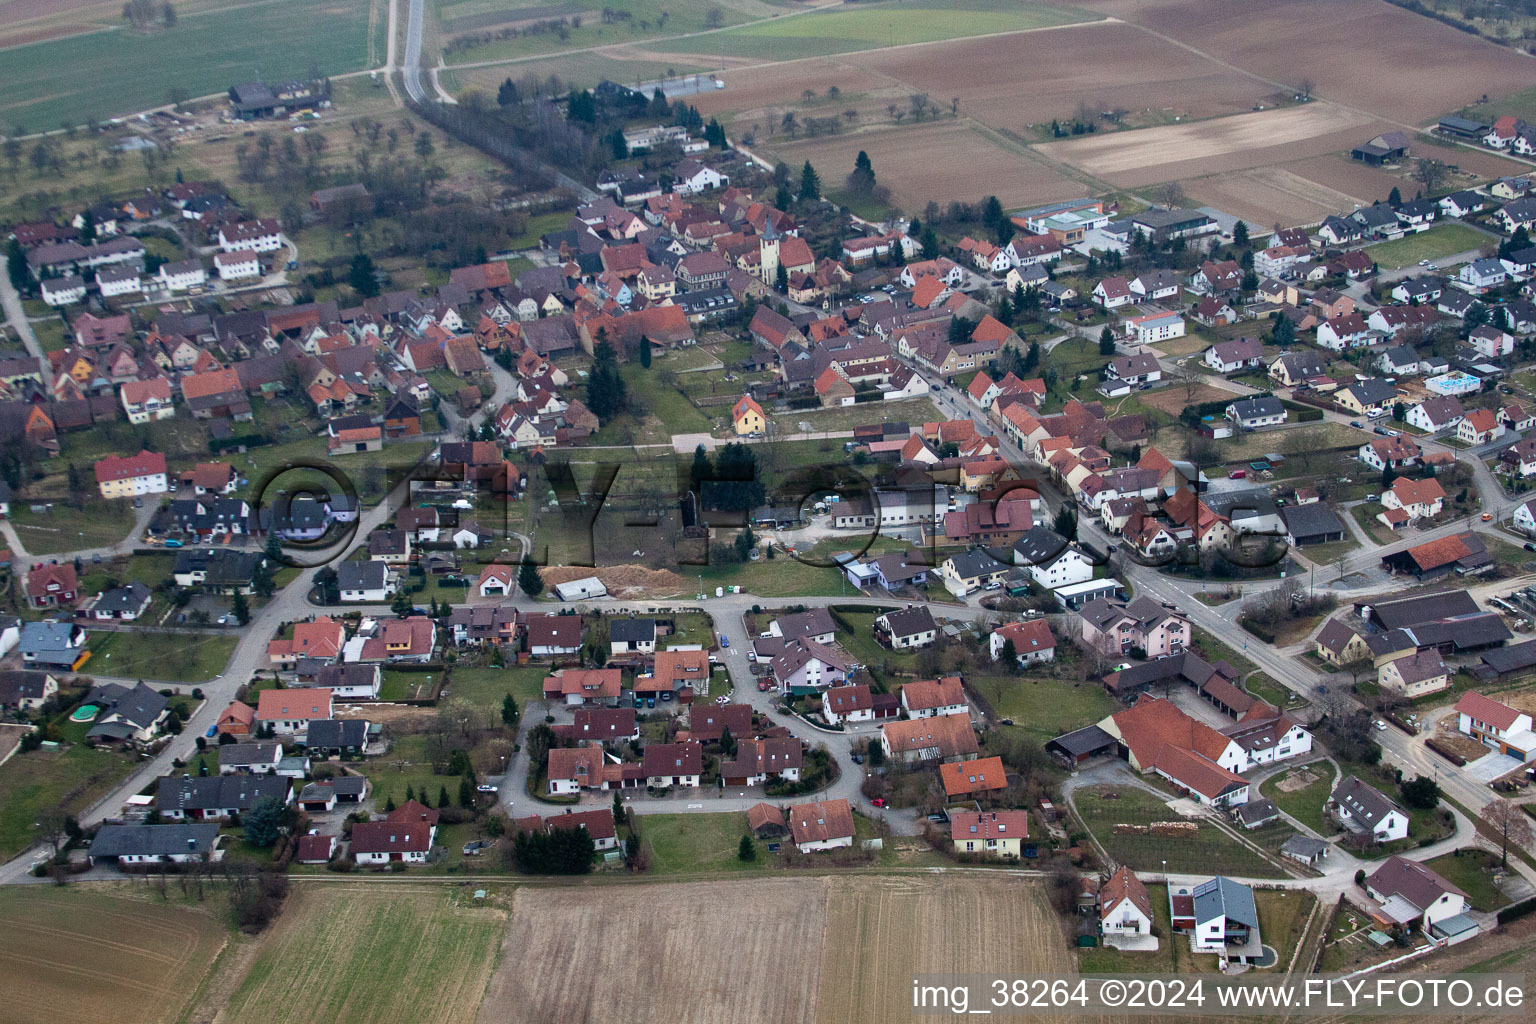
(1357, 424)
(878, 801)
(485, 787)
(474, 847)
(856, 758)
(725, 642)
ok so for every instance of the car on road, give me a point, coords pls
(878, 801)
(173, 543)
(485, 787)
(1487, 517)
(1530, 547)
(1424, 263)
(751, 655)
(1379, 725)
(725, 642)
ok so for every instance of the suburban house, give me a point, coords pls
(967, 778)
(52, 586)
(127, 714)
(1225, 919)
(907, 628)
(1416, 499)
(990, 833)
(821, 825)
(1496, 725)
(553, 635)
(1124, 906)
(1410, 893)
(214, 797)
(289, 712)
(155, 844)
(583, 686)
(1032, 641)
(843, 704)
(932, 697)
(673, 764)
(1233, 356)
(1144, 624)
(939, 738)
(1365, 811)
(132, 476)
(1339, 644)
(1415, 674)
(1257, 413)
(379, 842)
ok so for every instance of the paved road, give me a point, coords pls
(17, 316)
(410, 69)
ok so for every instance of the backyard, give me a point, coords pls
(72, 779)
(1472, 871)
(690, 843)
(1208, 851)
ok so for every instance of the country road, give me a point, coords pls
(410, 68)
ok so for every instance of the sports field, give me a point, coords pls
(91, 958)
(113, 72)
(371, 953)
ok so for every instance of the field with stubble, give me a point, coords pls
(81, 956)
(882, 931)
(767, 951)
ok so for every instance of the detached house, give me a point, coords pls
(1233, 356)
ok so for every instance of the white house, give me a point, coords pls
(183, 275)
(264, 235)
(237, 266)
(1408, 892)
(1434, 414)
(1050, 560)
(121, 280)
(1481, 275)
(1496, 725)
(907, 628)
(931, 698)
(368, 582)
(1232, 356)
(1524, 518)
(1490, 342)
(693, 177)
(1255, 413)
(842, 704)
(63, 291)
(1224, 915)
(1363, 809)
(1124, 906)
(1032, 641)
(1154, 327)
(821, 825)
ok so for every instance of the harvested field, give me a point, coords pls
(941, 160)
(1266, 195)
(1364, 53)
(1351, 177)
(371, 954)
(1013, 81)
(857, 943)
(1150, 154)
(706, 952)
(1173, 400)
(105, 958)
(621, 580)
(882, 931)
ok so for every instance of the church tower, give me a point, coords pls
(768, 252)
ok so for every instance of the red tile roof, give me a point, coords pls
(962, 778)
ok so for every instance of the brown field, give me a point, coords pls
(81, 956)
(1365, 54)
(940, 160)
(711, 952)
(1171, 400)
(750, 92)
(1149, 154)
(1265, 195)
(882, 931)
(1013, 81)
(791, 950)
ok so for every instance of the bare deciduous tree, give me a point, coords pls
(1509, 826)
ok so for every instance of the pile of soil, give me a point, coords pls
(621, 580)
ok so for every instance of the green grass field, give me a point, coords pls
(1434, 244)
(485, 687)
(67, 529)
(118, 72)
(30, 783)
(1210, 850)
(683, 16)
(175, 657)
(1045, 708)
(1305, 804)
(873, 26)
(1473, 872)
(687, 843)
(376, 955)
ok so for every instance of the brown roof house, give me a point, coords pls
(820, 826)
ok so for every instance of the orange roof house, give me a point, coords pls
(748, 417)
(967, 778)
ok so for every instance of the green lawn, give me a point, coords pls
(1472, 871)
(689, 843)
(913, 411)
(117, 72)
(873, 26)
(73, 780)
(406, 766)
(1305, 804)
(397, 685)
(1209, 851)
(485, 687)
(1436, 243)
(174, 657)
(1045, 708)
